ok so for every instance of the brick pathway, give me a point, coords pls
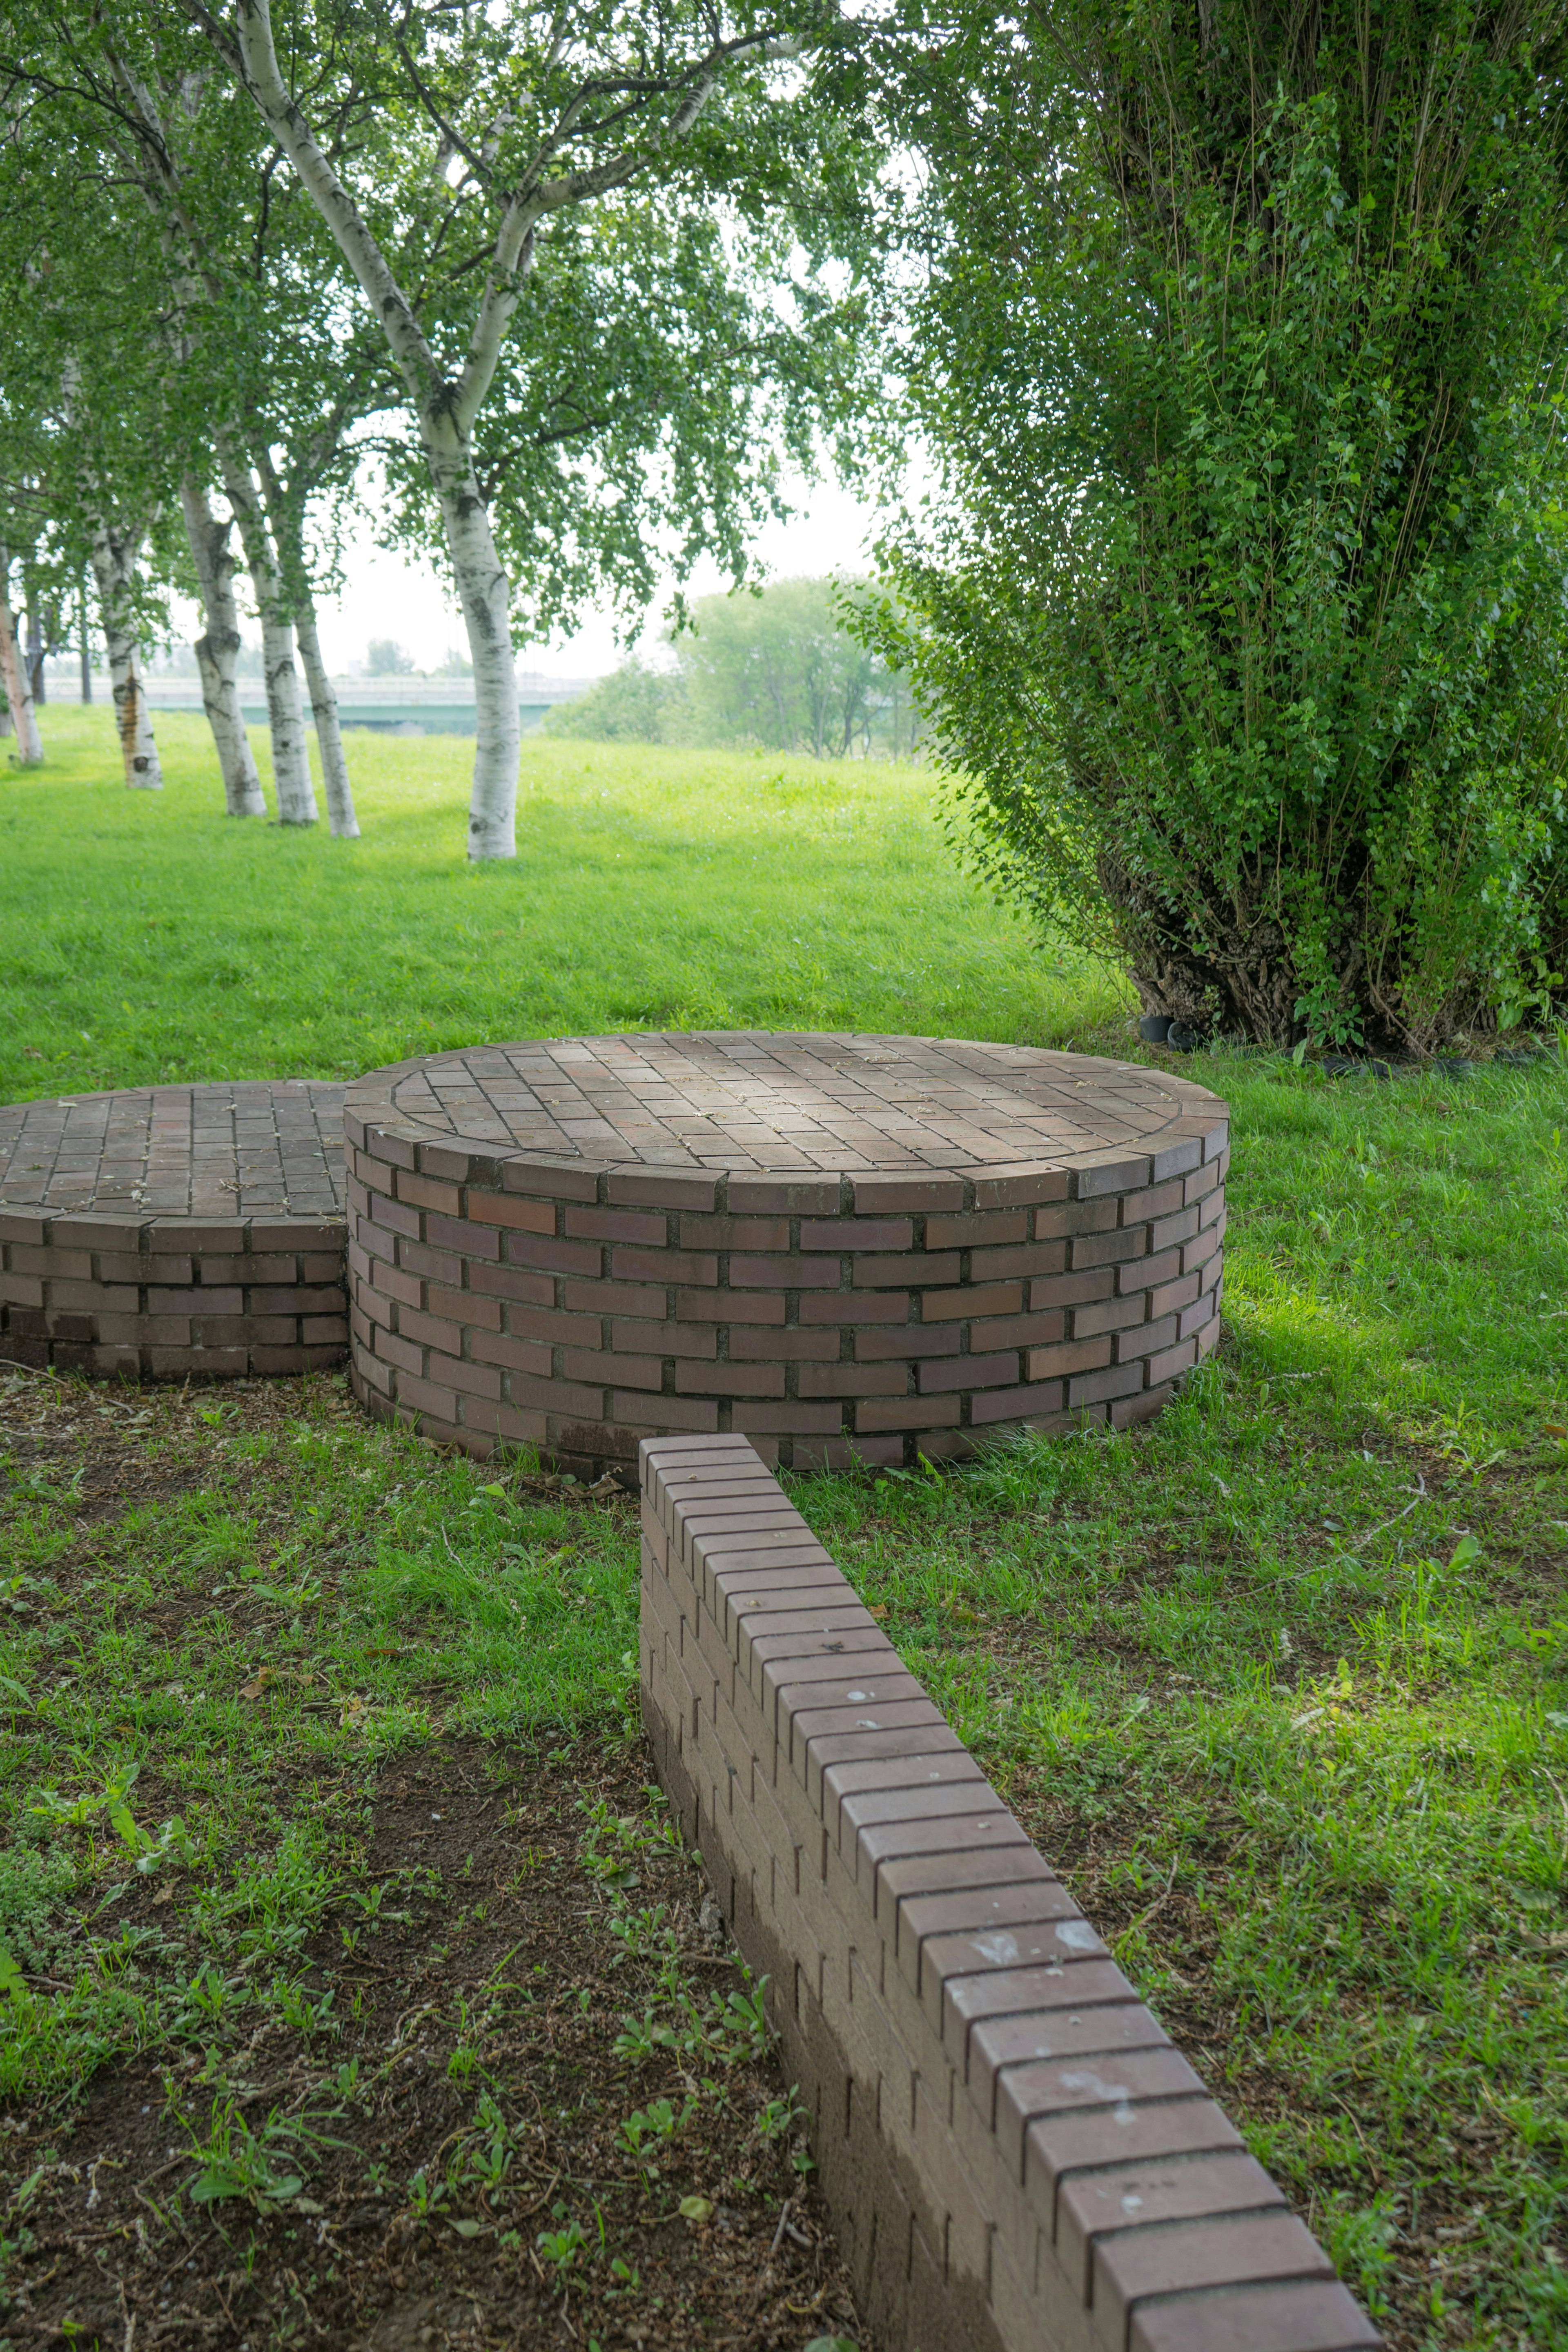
(250, 1148)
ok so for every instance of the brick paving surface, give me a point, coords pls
(250, 1148)
(776, 1100)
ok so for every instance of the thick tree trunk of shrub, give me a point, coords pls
(29, 749)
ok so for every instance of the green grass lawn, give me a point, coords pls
(147, 937)
(1280, 1680)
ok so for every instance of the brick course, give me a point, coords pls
(176, 1232)
(1016, 2159)
(836, 1314)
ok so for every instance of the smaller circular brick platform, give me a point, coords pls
(849, 1248)
(169, 1233)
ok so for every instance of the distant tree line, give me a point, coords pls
(780, 669)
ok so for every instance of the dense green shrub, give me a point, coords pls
(1241, 349)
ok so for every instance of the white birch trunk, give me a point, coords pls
(216, 650)
(342, 822)
(485, 594)
(286, 718)
(114, 564)
(29, 751)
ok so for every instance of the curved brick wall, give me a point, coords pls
(173, 1233)
(846, 1248)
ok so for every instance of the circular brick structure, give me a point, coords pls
(849, 1248)
(171, 1233)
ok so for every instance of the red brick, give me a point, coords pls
(465, 1306)
(725, 1307)
(423, 1194)
(663, 1189)
(403, 1353)
(473, 1238)
(1145, 1338)
(729, 1380)
(506, 1208)
(421, 1397)
(919, 1266)
(969, 1372)
(859, 1233)
(1016, 1404)
(905, 1342)
(113, 1265)
(1112, 1171)
(1028, 1258)
(616, 1298)
(700, 1266)
(552, 1323)
(399, 1216)
(853, 1380)
(1167, 1296)
(728, 1232)
(762, 1415)
(808, 1196)
(1153, 1200)
(793, 1345)
(503, 1282)
(473, 1379)
(1017, 1330)
(663, 1411)
(906, 1412)
(859, 1307)
(514, 1355)
(287, 1298)
(1075, 1217)
(1069, 1356)
(1005, 1187)
(439, 1266)
(1201, 1310)
(636, 1336)
(430, 1330)
(26, 1290)
(1110, 1249)
(557, 1183)
(556, 1396)
(112, 1299)
(1146, 1272)
(1127, 1411)
(1099, 1388)
(887, 1194)
(549, 1254)
(1110, 1315)
(1199, 1253)
(322, 1330)
(1207, 1339)
(1098, 2205)
(977, 1227)
(617, 1225)
(747, 1273)
(1165, 1232)
(975, 1298)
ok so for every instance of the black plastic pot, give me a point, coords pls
(1181, 1039)
(1154, 1028)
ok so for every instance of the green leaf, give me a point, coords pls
(469, 2229)
(11, 1981)
(696, 2208)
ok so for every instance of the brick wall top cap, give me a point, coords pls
(667, 1118)
(264, 1147)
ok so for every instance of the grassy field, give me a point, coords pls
(145, 937)
(1281, 1680)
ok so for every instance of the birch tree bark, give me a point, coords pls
(446, 407)
(215, 651)
(114, 567)
(291, 751)
(289, 538)
(30, 751)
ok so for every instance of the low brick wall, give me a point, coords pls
(503, 1296)
(1014, 2154)
(172, 1297)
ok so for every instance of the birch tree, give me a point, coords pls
(30, 751)
(217, 648)
(116, 545)
(495, 130)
